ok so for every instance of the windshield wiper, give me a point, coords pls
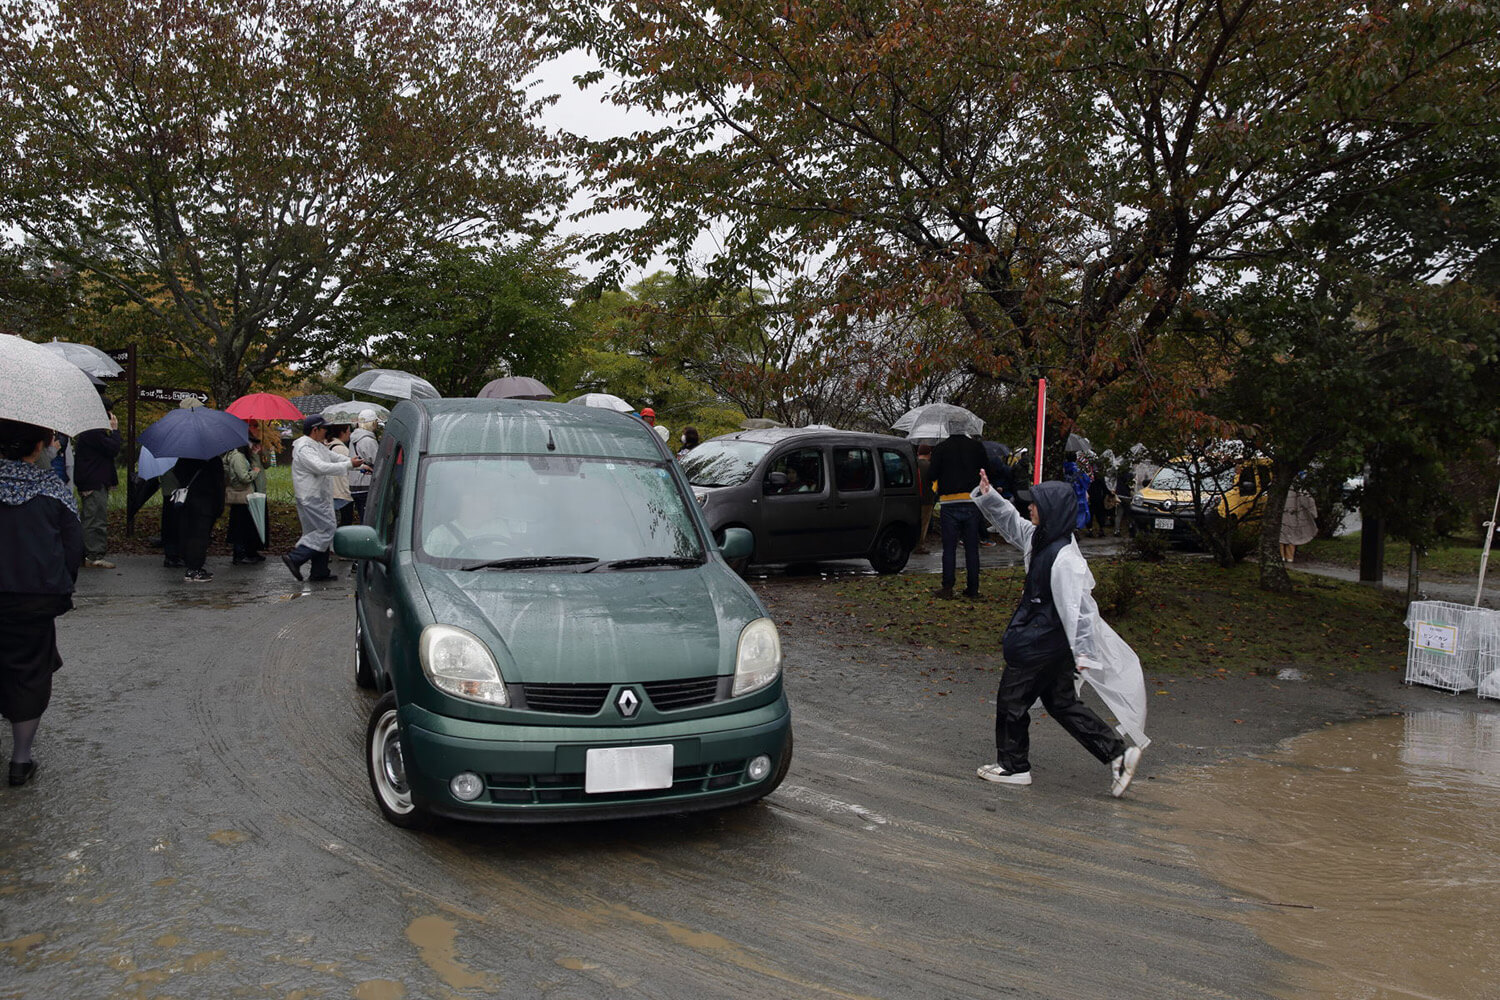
(530, 562)
(641, 561)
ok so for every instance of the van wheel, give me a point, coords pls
(387, 766)
(891, 551)
(364, 674)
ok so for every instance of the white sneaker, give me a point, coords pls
(999, 775)
(1122, 770)
(99, 564)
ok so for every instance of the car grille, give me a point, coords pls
(588, 699)
(567, 699)
(555, 789)
(668, 696)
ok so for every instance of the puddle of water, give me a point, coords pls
(1375, 847)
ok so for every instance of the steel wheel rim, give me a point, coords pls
(389, 766)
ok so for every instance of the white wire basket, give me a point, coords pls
(1489, 674)
(1448, 643)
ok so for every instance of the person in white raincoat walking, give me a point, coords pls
(313, 469)
(1056, 629)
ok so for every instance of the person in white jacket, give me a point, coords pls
(313, 469)
(1056, 629)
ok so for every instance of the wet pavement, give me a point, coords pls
(202, 827)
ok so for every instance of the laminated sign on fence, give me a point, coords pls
(1453, 647)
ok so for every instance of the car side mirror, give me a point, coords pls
(359, 541)
(738, 543)
(775, 483)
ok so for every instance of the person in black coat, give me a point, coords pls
(204, 481)
(955, 467)
(94, 453)
(42, 540)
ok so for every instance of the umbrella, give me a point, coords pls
(392, 384)
(936, 421)
(264, 406)
(348, 413)
(256, 502)
(38, 387)
(516, 387)
(148, 466)
(1079, 443)
(759, 423)
(90, 359)
(603, 401)
(201, 432)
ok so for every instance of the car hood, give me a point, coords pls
(602, 627)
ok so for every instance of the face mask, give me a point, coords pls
(49, 453)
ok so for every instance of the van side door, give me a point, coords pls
(375, 576)
(856, 499)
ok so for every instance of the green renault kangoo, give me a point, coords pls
(553, 632)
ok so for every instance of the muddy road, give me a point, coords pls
(202, 826)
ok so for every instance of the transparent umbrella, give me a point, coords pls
(935, 421)
(516, 387)
(390, 383)
(348, 413)
(604, 401)
(89, 358)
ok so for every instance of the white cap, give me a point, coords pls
(365, 416)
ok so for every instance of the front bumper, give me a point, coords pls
(1184, 524)
(536, 773)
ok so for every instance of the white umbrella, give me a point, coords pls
(348, 413)
(936, 421)
(39, 387)
(89, 358)
(603, 401)
(392, 384)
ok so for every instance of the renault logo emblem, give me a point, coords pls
(627, 703)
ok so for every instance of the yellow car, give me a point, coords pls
(1185, 493)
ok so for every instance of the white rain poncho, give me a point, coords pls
(313, 467)
(1114, 670)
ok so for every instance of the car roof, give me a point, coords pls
(776, 435)
(517, 426)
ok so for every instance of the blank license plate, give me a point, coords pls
(1164, 523)
(627, 769)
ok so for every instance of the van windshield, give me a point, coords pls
(723, 463)
(1172, 479)
(525, 511)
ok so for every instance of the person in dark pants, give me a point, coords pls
(42, 540)
(956, 464)
(313, 465)
(204, 480)
(240, 468)
(1055, 633)
(94, 476)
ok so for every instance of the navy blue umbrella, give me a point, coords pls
(197, 433)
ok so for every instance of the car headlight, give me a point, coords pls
(456, 661)
(758, 660)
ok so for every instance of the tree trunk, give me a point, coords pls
(1273, 574)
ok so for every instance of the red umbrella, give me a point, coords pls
(264, 406)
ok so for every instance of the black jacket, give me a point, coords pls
(42, 542)
(204, 478)
(1035, 635)
(94, 460)
(956, 462)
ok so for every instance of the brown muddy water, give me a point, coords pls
(1372, 849)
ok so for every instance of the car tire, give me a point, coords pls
(892, 549)
(364, 673)
(385, 760)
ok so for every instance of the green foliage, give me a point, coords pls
(461, 316)
(234, 169)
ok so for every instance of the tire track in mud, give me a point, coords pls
(870, 872)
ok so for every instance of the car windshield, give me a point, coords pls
(530, 512)
(723, 463)
(1175, 479)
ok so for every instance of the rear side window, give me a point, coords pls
(853, 469)
(898, 471)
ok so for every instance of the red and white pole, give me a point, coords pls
(1041, 425)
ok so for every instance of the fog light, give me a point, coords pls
(467, 786)
(758, 768)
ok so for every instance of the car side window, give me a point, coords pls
(898, 471)
(801, 471)
(853, 470)
(390, 497)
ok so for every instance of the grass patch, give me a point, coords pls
(1450, 557)
(1185, 617)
